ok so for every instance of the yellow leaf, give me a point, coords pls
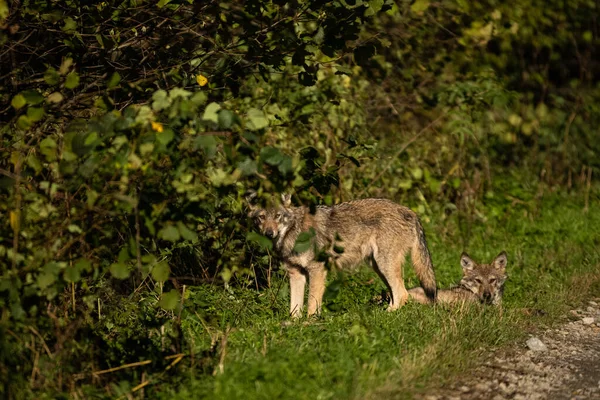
(201, 79)
(157, 126)
(14, 220)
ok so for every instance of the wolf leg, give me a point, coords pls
(316, 287)
(297, 285)
(390, 270)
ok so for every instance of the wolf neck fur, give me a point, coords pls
(291, 232)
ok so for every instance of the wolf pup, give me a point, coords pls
(378, 230)
(482, 283)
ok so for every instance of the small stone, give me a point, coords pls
(593, 303)
(536, 344)
(591, 309)
(588, 320)
(464, 389)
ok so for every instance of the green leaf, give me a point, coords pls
(256, 119)
(72, 80)
(18, 101)
(119, 270)
(271, 155)
(186, 233)
(114, 80)
(73, 228)
(84, 265)
(35, 113)
(70, 25)
(72, 274)
(162, 3)
(405, 184)
(51, 77)
(417, 173)
(48, 148)
(208, 143)
(32, 97)
(160, 272)
(34, 163)
(165, 136)
(199, 98)
(420, 6)
(261, 240)
(45, 279)
(285, 166)
(170, 300)
(170, 233)
(24, 123)
(210, 113)
(123, 255)
(179, 92)
(374, 7)
(225, 119)
(304, 241)
(92, 196)
(144, 115)
(248, 167)
(3, 10)
(160, 100)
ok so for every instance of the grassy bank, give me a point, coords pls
(241, 348)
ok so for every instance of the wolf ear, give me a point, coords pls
(286, 199)
(466, 262)
(500, 261)
(250, 197)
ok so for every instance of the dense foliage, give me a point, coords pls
(133, 129)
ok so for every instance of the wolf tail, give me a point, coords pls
(422, 263)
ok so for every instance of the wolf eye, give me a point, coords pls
(277, 215)
(261, 217)
(478, 280)
(492, 281)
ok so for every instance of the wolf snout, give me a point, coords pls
(270, 233)
(487, 297)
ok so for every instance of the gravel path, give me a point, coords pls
(562, 363)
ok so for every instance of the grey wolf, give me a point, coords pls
(377, 230)
(483, 283)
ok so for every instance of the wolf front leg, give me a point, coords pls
(316, 287)
(297, 285)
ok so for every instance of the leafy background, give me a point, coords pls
(131, 131)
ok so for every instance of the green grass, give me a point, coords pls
(243, 345)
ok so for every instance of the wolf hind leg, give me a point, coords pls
(389, 267)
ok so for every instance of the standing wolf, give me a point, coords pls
(483, 283)
(375, 229)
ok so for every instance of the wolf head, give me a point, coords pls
(272, 222)
(485, 280)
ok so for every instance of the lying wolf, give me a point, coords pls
(482, 283)
(378, 230)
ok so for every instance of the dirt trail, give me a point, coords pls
(566, 365)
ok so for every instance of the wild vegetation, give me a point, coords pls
(132, 130)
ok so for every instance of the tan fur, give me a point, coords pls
(377, 230)
(483, 283)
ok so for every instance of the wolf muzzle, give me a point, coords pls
(270, 233)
